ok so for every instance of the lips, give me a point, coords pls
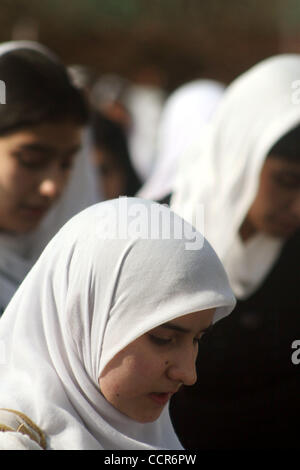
(161, 398)
(34, 211)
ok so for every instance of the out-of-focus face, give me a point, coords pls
(140, 380)
(276, 208)
(34, 168)
(112, 178)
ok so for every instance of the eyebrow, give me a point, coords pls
(37, 147)
(47, 149)
(173, 326)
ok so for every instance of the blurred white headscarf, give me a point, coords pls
(221, 172)
(144, 104)
(19, 252)
(89, 296)
(187, 110)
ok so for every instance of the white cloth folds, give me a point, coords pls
(144, 103)
(88, 296)
(185, 114)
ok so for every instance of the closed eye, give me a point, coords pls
(159, 341)
(167, 341)
(287, 180)
(30, 161)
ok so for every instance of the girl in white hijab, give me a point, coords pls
(104, 330)
(42, 108)
(245, 173)
(185, 113)
(222, 170)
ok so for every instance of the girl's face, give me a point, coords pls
(276, 208)
(140, 379)
(34, 168)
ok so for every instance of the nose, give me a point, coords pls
(52, 184)
(183, 368)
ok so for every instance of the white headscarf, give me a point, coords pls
(19, 252)
(88, 296)
(187, 110)
(144, 103)
(223, 169)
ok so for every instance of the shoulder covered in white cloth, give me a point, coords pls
(16, 441)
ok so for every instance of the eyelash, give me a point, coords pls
(160, 341)
(167, 341)
(27, 164)
(37, 165)
(286, 181)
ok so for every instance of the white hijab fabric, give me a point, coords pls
(86, 298)
(222, 171)
(144, 103)
(187, 110)
(19, 252)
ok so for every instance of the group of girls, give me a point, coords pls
(102, 338)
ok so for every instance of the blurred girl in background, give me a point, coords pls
(41, 127)
(246, 174)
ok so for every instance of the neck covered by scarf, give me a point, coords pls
(90, 295)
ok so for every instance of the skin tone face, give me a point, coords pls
(140, 380)
(276, 208)
(34, 168)
(112, 179)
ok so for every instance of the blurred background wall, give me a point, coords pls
(166, 42)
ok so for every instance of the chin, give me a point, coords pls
(17, 229)
(146, 418)
(26, 228)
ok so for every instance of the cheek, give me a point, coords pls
(147, 370)
(277, 201)
(272, 197)
(15, 181)
(9, 189)
(130, 379)
(267, 202)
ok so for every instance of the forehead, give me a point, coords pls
(62, 134)
(274, 162)
(192, 322)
